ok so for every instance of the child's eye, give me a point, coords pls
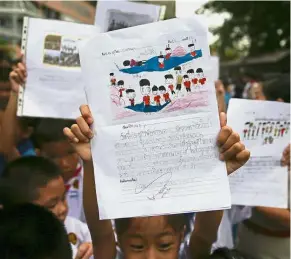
(137, 247)
(165, 246)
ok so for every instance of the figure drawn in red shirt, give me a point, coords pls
(192, 49)
(157, 97)
(166, 95)
(112, 79)
(168, 51)
(145, 89)
(191, 76)
(200, 76)
(161, 61)
(120, 87)
(170, 82)
(130, 93)
(187, 83)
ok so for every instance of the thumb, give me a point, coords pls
(81, 251)
(223, 119)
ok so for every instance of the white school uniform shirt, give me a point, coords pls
(78, 233)
(75, 194)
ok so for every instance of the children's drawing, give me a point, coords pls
(61, 51)
(162, 62)
(266, 131)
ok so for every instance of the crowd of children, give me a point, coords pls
(47, 187)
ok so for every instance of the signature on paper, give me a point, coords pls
(163, 179)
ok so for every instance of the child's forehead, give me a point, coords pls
(149, 224)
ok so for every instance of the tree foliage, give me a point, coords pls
(255, 27)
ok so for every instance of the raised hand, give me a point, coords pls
(231, 149)
(80, 133)
(18, 76)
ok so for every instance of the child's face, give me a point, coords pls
(155, 92)
(145, 90)
(162, 91)
(161, 60)
(199, 75)
(150, 237)
(53, 197)
(131, 95)
(63, 154)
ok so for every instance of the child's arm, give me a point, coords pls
(206, 225)
(281, 216)
(9, 122)
(103, 238)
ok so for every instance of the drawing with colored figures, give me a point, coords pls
(169, 81)
(266, 131)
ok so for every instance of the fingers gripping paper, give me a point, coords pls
(156, 120)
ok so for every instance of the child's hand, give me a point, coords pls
(17, 77)
(285, 161)
(80, 134)
(85, 251)
(232, 151)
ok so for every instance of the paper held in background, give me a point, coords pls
(264, 128)
(54, 87)
(156, 120)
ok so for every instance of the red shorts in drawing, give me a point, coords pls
(193, 53)
(121, 92)
(187, 84)
(167, 97)
(131, 102)
(194, 81)
(146, 100)
(161, 65)
(157, 99)
(282, 132)
(171, 87)
(168, 56)
(202, 80)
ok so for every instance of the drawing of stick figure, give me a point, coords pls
(258, 130)
(282, 130)
(287, 128)
(253, 133)
(246, 129)
(263, 129)
(250, 129)
(271, 140)
(265, 141)
(271, 127)
(267, 128)
(277, 129)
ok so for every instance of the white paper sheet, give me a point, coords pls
(114, 15)
(264, 128)
(54, 86)
(153, 156)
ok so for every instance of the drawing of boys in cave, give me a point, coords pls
(187, 83)
(166, 95)
(200, 76)
(130, 93)
(168, 51)
(112, 79)
(192, 49)
(120, 87)
(179, 79)
(169, 82)
(145, 89)
(157, 97)
(161, 60)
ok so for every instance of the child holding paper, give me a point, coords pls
(150, 237)
(267, 233)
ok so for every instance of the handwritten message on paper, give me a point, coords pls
(256, 183)
(155, 160)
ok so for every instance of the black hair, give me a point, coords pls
(161, 56)
(277, 88)
(31, 173)
(50, 130)
(144, 82)
(185, 76)
(167, 48)
(139, 63)
(177, 68)
(199, 70)
(155, 88)
(162, 88)
(126, 62)
(31, 232)
(191, 45)
(111, 74)
(120, 82)
(176, 221)
(169, 76)
(190, 71)
(129, 91)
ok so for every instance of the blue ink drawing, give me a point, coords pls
(146, 108)
(153, 64)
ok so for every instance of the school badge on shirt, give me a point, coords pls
(72, 238)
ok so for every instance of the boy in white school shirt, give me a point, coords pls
(41, 182)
